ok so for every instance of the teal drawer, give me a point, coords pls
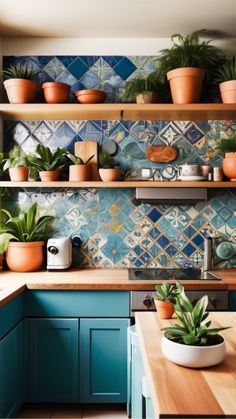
(77, 303)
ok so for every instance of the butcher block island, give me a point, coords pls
(179, 392)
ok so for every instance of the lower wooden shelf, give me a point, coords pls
(119, 184)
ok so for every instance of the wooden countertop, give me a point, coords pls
(13, 283)
(179, 392)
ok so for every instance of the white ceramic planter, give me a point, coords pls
(193, 356)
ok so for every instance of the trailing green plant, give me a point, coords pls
(46, 160)
(227, 71)
(188, 51)
(16, 157)
(106, 161)
(227, 145)
(27, 226)
(20, 71)
(193, 329)
(77, 160)
(168, 292)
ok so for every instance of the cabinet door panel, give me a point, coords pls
(53, 360)
(103, 360)
(232, 300)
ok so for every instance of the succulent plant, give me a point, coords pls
(106, 161)
(48, 160)
(78, 160)
(227, 71)
(168, 292)
(20, 71)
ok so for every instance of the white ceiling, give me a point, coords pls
(116, 18)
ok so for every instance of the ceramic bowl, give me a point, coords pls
(90, 96)
(189, 170)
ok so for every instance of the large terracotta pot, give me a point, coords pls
(21, 90)
(80, 172)
(165, 309)
(109, 175)
(229, 165)
(228, 91)
(186, 84)
(24, 257)
(56, 92)
(49, 175)
(19, 174)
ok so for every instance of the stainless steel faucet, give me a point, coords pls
(208, 254)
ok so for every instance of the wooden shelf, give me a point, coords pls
(124, 184)
(118, 111)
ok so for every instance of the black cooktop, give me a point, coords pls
(168, 274)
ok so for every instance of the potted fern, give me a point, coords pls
(80, 170)
(141, 90)
(17, 164)
(185, 64)
(23, 237)
(226, 76)
(164, 299)
(193, 342)
(48, 163)
(19, 83)
(228, 147)
(109, 170)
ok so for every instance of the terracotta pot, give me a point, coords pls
(228, 91)
(56, 92)
(24, 257)
(109, 175)
(229, 165)
(165, 309)
(80, 172)
(90, 96)
(49, 175)
(148, 97)
(186, 84)
(21, 90)
(19, 174)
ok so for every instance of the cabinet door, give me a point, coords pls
(11, 372)
(103, 360)
(52, 360)
(232, 300)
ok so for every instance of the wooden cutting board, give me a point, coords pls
(84, 150)
(161, 154)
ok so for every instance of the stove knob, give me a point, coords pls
(147, 302)
(53, 250)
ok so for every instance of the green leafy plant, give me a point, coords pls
(106, 161)
(227, 71)
(227, 145)
(188, 51)
(168, 292)
(77, 160)
(16, 157)
(25, 227)
(48, 160)
(141, 85)
(193, 329)
(20, 71)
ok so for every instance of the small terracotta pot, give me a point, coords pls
(186, 84)
(147, 97)
(228, 91)
(165, 309)
(80, 172)
(90, 96)
(19, 174)
(56, 92)
(109, 175)
(49, 175)
(229, 165)
(21, 90)
(24, 257)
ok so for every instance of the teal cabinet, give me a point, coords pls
(232, 300)
(103, 360)
(11, 349)
(52, 357)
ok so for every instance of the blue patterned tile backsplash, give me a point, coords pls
(116, 229)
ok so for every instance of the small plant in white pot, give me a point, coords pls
(193, 343)
(80, 170)
(165, 299)
(17, 164)
(109, 169)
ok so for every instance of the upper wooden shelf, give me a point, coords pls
(118, 111)
(120, 184)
